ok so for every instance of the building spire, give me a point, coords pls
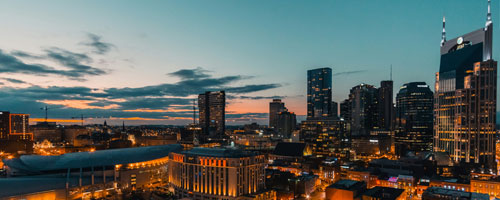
(443, 35)
(488, 16)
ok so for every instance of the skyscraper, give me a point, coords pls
(319, 93)
(465, 97)
(15, 126)
(385, 105)
(212, 108)
(363, 109)
(414, 116)
(286, 122)
(275, 107)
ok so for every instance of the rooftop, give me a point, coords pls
(385, 193)
(455, 193)
(219, 152)
(348, 185)
(289, 149)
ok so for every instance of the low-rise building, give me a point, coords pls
(345, 190)
(436, 193)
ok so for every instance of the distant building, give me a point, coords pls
(212, 109)
(319, 93)
(385, 105)
(211, 173)
(275, 107)
(345, 190)
(286, 123)
(436, 193)
(363, 109)
(345, 110)
(335, 110)
(466, 97)
(327, 137)
(414, 118)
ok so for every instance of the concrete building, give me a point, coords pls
(212, 173)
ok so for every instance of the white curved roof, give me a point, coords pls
(37, 163)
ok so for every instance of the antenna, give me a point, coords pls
(391, 72)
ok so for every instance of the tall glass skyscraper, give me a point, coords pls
(414, 116)
(212, 108)
(465, 97)
(319, 93)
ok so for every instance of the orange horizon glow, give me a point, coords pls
(79, 104)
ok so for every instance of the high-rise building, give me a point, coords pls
(385, 106)
(319, 93)
(335, 110)
(414, 118)
(4, 125)
(211, 173)
(363, 109)
(15, 126)
(465, 97)
(275, 107)
(345, 110)
(286, 123)
(212, 109)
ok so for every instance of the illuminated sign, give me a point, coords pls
(422, 86)
(393, 179)
(460, 40)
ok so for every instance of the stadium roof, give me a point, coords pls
(36, 164)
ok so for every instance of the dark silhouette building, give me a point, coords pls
(212, 109)
(286, 123)
(414, 118)
(363, 101)
(319, 93)
(275, 107)
(386, 105)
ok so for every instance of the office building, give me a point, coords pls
(319, 93)
(465, 97)
(212, 109)
(275, 107)
(212, 173)
(414, 118)
(385, 106)
(286, 123)
(363, 101)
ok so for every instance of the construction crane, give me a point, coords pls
(46, 112)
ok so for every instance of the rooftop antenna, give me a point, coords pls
(391, 72)
(488, 16)
(443, 35)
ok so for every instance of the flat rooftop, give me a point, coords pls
(219, 152)
(348, 185)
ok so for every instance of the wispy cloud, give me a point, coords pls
(98, 46)
(345, 73)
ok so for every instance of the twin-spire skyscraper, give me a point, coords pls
(465, 97)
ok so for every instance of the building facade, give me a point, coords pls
(319, 93)
(363, 101)
(212, 109)
(275, 107)
(414, 118)
(327, 137)
(386, 105)
(210, 173)
(286, 123)
(465, 98)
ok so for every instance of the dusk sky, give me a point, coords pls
(143, 62)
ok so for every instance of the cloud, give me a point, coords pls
(12, 80)
(262, 97)
(349, 72)
(196, 73)
(97, 45)
(172, 101)
(76, 69)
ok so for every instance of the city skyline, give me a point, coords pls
(96, 68)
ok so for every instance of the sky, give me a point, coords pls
(143, 62)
